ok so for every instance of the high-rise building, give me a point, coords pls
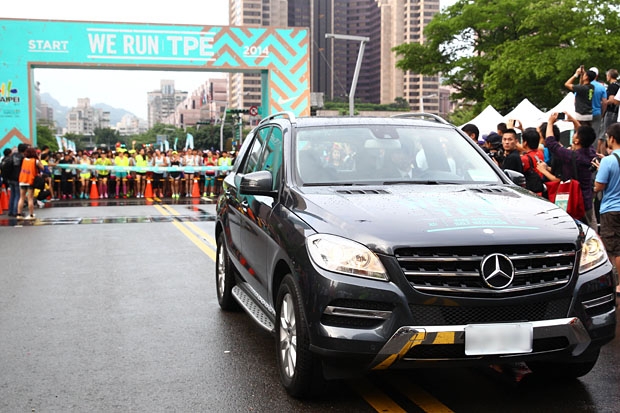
(83, 119)
(387, 23)
(163, 102)
(403, 21)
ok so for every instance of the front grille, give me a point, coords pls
(456, 270)
(429, 315)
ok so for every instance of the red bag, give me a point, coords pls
(568, 196)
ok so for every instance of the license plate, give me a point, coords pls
(485, 339)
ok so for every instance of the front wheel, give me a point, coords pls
(224, 277)
(300, 370)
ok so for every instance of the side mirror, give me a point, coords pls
(516, 177)
(257, 183)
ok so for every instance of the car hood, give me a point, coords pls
(388, 217)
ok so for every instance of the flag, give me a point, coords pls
(59, 142)
(189, 141)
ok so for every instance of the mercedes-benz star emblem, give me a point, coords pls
(497, 271)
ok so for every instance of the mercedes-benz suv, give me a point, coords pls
(375, 243)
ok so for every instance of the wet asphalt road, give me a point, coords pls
(112, 308)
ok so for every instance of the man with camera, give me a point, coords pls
(584, 93)
(576, 161)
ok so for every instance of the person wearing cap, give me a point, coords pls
(584, 93)
(599, 104)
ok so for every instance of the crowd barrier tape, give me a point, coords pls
(154, 169)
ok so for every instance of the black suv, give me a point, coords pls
(375, 243)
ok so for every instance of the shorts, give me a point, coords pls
(175, 175)
(121, 175)
(85, 176)
(610, 232)
(209, 178)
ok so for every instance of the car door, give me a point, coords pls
(258, 244)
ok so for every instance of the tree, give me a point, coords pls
(106, 136)
(45, 136)
(499, 52)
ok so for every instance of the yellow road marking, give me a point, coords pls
(167, 211)
(419, 396)
(380, 401)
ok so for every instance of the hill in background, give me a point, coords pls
(60, 111)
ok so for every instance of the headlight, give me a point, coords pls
(592, 251)
(342, 255)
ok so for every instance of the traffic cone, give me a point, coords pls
(4, 198)
(94, 192)
(148, 192)
(195, 190)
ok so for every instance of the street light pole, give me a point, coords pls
(358, 65)
(422, 97)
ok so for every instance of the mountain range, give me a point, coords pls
(60, 111)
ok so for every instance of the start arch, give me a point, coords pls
(281, 55)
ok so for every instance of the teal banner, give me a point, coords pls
(281, 55)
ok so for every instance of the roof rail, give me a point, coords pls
(422, 116)
(289, 115)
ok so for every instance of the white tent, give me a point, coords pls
(526, 113)
(566, 105)
(487, 120)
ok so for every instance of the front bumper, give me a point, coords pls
(399, 347)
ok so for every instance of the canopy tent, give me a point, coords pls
(487, 120)
(526, 113)
(566, 105)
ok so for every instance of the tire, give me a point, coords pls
(566, 370)
(300, 370)
(224, 277)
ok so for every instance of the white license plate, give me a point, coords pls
(484, 339)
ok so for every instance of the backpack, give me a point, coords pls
(533, 181)
(6, 168)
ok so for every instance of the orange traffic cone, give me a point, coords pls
(94, 192)
(195, 190)
(4, 199)
(148, 192)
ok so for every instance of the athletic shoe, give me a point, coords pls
(30, 217)
(20, 216)
(41, 204)
(212, 194)
(204, 194)
(106, 195)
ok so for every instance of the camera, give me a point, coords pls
(561, 116)
(593, 164)
(498, 155)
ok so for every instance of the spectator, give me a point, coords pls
(175, 162)
(159, 160)
(210, 160)
(584, 93)
(608, 182)
(598, 105)
(5, 167)
(532, 157)
(472, 131)
(611, 104)
(29, 170)
(579, 157)
(512, 158)
(103, 174)
(84, 175)
(501, 128)
(14, 178)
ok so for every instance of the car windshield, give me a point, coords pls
(388, 154)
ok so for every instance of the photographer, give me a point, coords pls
(577, 159)
(493, 147)
(510, 143)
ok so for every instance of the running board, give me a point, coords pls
(252, 309)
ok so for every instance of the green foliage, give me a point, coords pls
(45, 136)
(499, 52)
(106, 136)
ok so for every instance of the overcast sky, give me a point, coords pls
(103, 86)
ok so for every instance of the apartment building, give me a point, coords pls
(83, 119)
(163, 102)
(205, 104)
